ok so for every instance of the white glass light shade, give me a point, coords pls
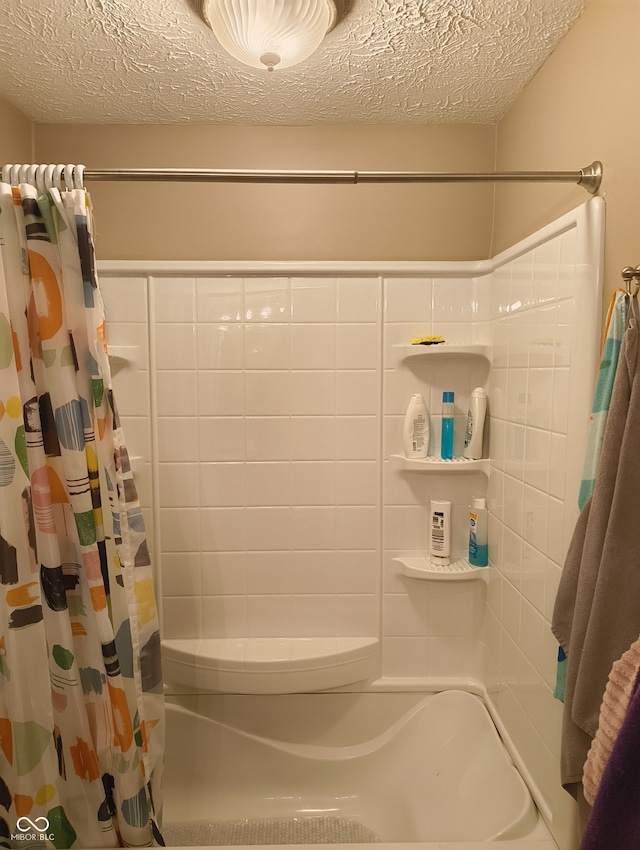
(270, 33)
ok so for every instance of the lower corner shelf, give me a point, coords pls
(422, 568)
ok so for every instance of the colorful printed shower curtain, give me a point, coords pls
(81, 706)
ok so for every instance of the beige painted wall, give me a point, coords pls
(277, 222)
(15, 135)
(580, 106)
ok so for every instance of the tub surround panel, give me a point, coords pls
(430, 629)
(299, 514)
(545, 309)
(265, 440)
(276, 439)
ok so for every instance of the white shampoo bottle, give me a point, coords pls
(416, 428)
(440, 533)
(475, 424)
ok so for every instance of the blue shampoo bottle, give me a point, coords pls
(446, 446)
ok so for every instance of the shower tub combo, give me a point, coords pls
(357, 739)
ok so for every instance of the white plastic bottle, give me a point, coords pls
(440, 533)
(478, 533)
(475, 424)
(416, 428)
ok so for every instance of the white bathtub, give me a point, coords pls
(343, 768)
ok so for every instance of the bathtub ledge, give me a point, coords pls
(269, 665)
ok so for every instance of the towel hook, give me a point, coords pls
(630, 273)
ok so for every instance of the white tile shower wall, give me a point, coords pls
(546, 318)
(268, 400)
(268, 467)
(430, 629)
(246, 551)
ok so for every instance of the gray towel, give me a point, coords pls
(597, 610)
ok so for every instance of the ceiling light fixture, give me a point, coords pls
(271, 33)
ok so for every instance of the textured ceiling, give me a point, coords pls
(387, 61)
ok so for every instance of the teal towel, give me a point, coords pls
(602, 396)
(616, 325)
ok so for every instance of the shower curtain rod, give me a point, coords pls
(589, 178)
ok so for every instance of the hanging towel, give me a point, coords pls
(614, 330)
(614, 822)
(609, 354)
(597, 614)
(612, 714)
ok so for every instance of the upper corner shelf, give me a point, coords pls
(443, 467)
(404, 350)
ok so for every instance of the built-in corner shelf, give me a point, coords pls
(268, 665)
(441, 467)
(122, 355)
(136, 462)
(422, 568)
(405, 350)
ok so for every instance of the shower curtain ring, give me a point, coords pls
(15, 175)
(78, 176)
(6, 173)
(40, 183)
(32, 174)
(24, 173)
(57, 177)
(68, 177)
(48, 176)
